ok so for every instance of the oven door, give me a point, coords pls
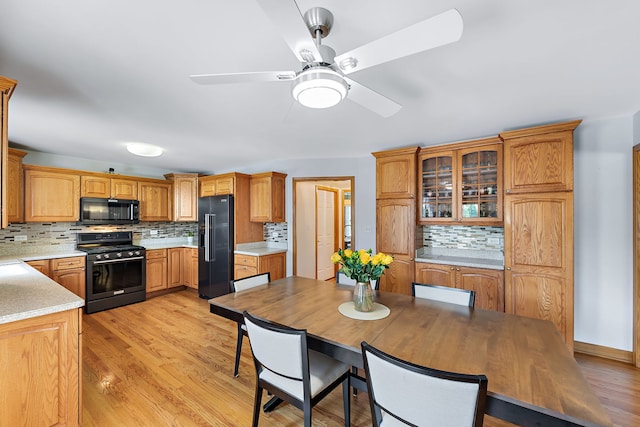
(111, 283)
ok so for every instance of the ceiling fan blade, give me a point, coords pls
(289, 21)
(433, 32)
(261, 76)
(372, 100)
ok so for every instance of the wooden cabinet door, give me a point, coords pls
(156, 270)
(538, 247)
(487, 284)
(174, 267)
(155, 201)
(479, 185)
(438, 187)
(41, 370)
(95, 186)
(399, 276)
(275, 264)
(435, 274)
(224, 185)
(241, 271)
(185, 190)
(15, 186)
(51, 196)
(540, 159)
(7, 86)
(73, 280)
(396, 173)
(207, 186)
(124, 189)
(190, 267)
(42, 265)
(267, 197)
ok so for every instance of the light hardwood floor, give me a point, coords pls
(169, 362)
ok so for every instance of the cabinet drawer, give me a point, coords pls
(242, 271)
(67, 263)
(248, 260)
(156, 253)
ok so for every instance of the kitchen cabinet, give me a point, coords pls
(175, 271)
(250, 265)
(69, 272)
(51, 194)
(107, 187)
(190, 267)
(41, 370)
(156, 200)
(538, 225)
(267, 197)
(488, 284)
(217, 185)
(396, 215)
(461, 183)
(156, 269)
(7, 86)
(15, 186)
(185, 196)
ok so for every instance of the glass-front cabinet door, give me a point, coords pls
(462, 185)
(437, 174)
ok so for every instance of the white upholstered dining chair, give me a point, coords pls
(444, 294)
(406, 394)
(242, 285)
(289, 370)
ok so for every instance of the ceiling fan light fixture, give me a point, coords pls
(144, 150)
(319, 88)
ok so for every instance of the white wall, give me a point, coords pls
(603, 232)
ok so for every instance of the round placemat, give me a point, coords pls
(379, 311)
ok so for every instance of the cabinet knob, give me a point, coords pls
(451, 268)
(507, 191)
(509, 268)
(457, 269)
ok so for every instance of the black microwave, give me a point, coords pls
(97, 211)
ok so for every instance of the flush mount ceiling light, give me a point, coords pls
(319, 88)
(144, 150)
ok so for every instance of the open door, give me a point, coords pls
(327, 234)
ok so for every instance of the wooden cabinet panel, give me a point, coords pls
(207, 186)
(538, 240)
(42, 265)
(242, 271)
(155, 201)
(190, 267)
(51, 196)
(68, 263)
(7, 86)
(175, 276)
(95, 186)
(156, 269)
(539, 159)
(122, 188)
(248, 265)
(396, 173)
(69, 272)
(267, 197)
(73, 279)
(396, 227)
(185, 196)
(399, 276)
(41, 370)
(247, 260)
(15, 186)
(435, 274)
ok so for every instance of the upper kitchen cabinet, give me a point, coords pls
(156, 200)
(217, 185)
(396, 173)
(461, 183)
(539, 159)
(51, 194)
(267, 197)
(107, 187)
(185, 196)
(15, 186)
(7, 86)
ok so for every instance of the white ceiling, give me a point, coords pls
(94, 75)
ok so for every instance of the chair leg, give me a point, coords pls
(307, 414)
(346, 401)
(257, 405)
(238, 351)
(354, 372)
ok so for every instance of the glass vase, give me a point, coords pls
(363, 296)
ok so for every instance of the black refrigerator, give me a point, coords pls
(215, 245)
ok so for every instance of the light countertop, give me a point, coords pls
(493, 260)
(27, 293)
(260, 248)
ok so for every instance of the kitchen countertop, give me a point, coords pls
(493, 260)
(178, 242)
(260, 248)
(27, 293)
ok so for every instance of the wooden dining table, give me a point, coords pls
(533, 377)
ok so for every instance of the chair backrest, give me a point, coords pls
(417, 395)
(444, 294)
(250, 282)
(280, 349)
(342, 279)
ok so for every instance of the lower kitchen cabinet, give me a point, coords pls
(41, 370)
(175, 273)
(249, 265)
(69, 272)
(190, 267)
(156, 269)
(488, 284)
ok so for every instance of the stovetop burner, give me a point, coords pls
(101, 249)
(100, 243)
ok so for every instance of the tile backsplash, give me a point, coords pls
(275, 232)
(463, 237)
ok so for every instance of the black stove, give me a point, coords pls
(116, 270)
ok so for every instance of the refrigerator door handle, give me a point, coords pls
(209, 237)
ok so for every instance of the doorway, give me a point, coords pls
(317, 234)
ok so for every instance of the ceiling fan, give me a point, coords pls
(322, 82)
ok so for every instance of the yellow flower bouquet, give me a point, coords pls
(361, 265)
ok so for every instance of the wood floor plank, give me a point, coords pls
(169, 362)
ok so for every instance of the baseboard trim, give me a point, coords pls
(602, 351)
